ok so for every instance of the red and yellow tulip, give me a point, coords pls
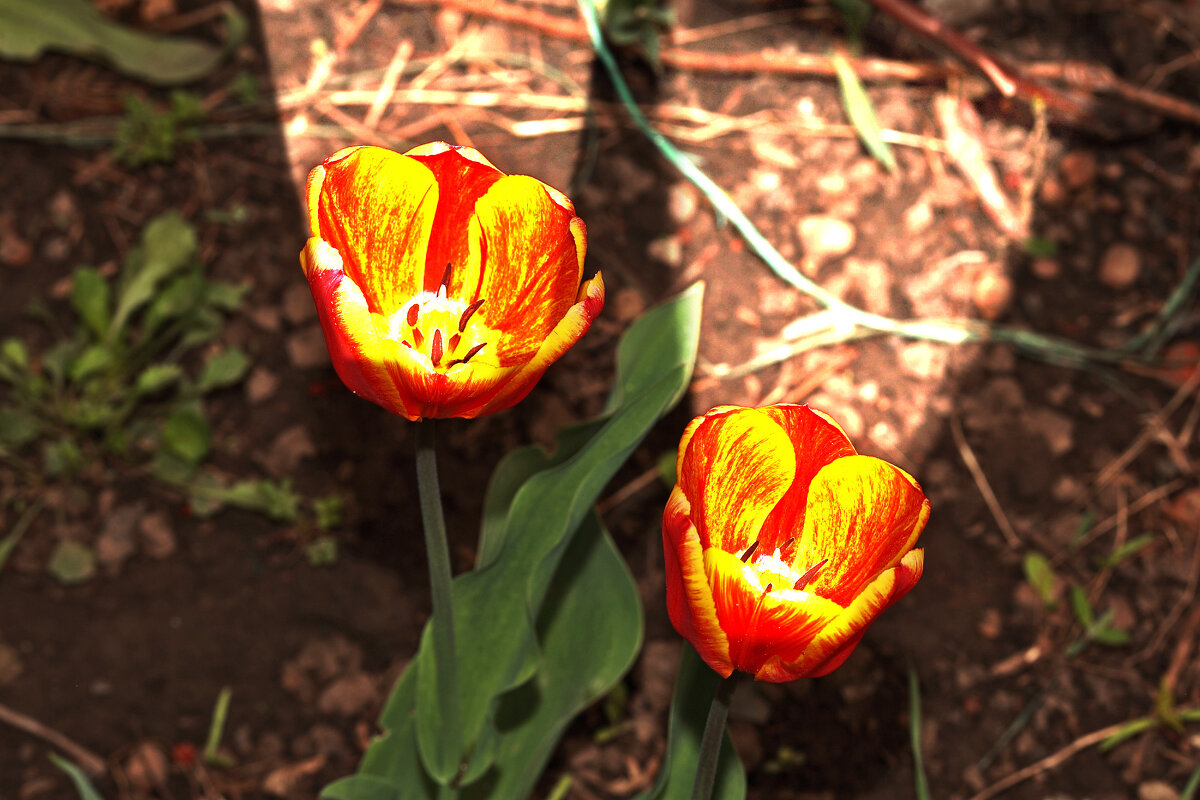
(445, 288)
(782, 543)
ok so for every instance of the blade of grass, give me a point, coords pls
(862, 113)
(914, 726)
(217, 728)
(82, 784)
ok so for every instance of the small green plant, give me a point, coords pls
(123, 379)
(147, 135)
(1095, 629)
(1041, 577)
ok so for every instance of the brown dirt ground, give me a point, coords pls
(130, 663)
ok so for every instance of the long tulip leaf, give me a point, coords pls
(586, 646)
(494, 623)
(695, 683)
(30, 27)
(544, 498)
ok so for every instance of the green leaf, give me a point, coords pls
(82, 785)
(1040, 575)
(391, 768)
(1110, 637)
(494, 630)
(90, 298)
(277, 500)
(168, 243)
(13, 352)
(18, 428)
(322, 551)
(224, 369)
(95, 359)
(157, 377)
(186, 434)
(586, 646)
(30, 27)
(1128, 731)
(1081, 607)
(861, 113)
(695, 687)
(72, 563)
(61, 458)
(1126, 550)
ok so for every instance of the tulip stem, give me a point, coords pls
(437, 550)
(714, 734)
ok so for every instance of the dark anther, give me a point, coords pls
(810, 574)
(435, 352)
(452, 345)
(471, 353)
(767, 590)
(418, 337)
(749, 551)
(446, 276)
(413, 311)
(468, 312)
(406, 344)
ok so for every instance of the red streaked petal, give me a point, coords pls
(376, 208)
(690, 430)
(761, 626)
(463, 176)
(355, 347)
(817, 441)
(574, 324)
(689, 599)
(864, 515)
(838, 639)
(525, 259)
(736, 468)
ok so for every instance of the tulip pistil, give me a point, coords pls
(447, 331)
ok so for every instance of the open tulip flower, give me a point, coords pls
(445, 288)
(782, 543)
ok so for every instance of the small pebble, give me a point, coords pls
(1120, 266)
(1078, 168)
(826, 237)
(1046, 268)
(992, 293)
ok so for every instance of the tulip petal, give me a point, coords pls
(377, 208)
(838, 639)
(471, 175)
(355, 347)
(689, 598)
(574, 324)
(524, 261)
(762, 624)
(735, 469)
(864, 515)
(817, 441)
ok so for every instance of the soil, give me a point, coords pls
(1074, 462)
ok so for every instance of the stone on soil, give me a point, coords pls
(825, 237)
(1120, 266)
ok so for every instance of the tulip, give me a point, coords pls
(782, 543)
(445, 288)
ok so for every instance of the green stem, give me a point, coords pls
(714, 734)
(437, 550)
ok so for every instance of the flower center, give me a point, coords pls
(444, 330)
(773, 571)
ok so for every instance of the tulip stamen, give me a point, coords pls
(418, 337)
(446, 277)
(435, 350)
(413, 314)
(811, 573)
(452, 344)
(472, 352)
(468, 312)
(749, 551)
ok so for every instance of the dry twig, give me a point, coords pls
(981, 481)
(86, 760)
